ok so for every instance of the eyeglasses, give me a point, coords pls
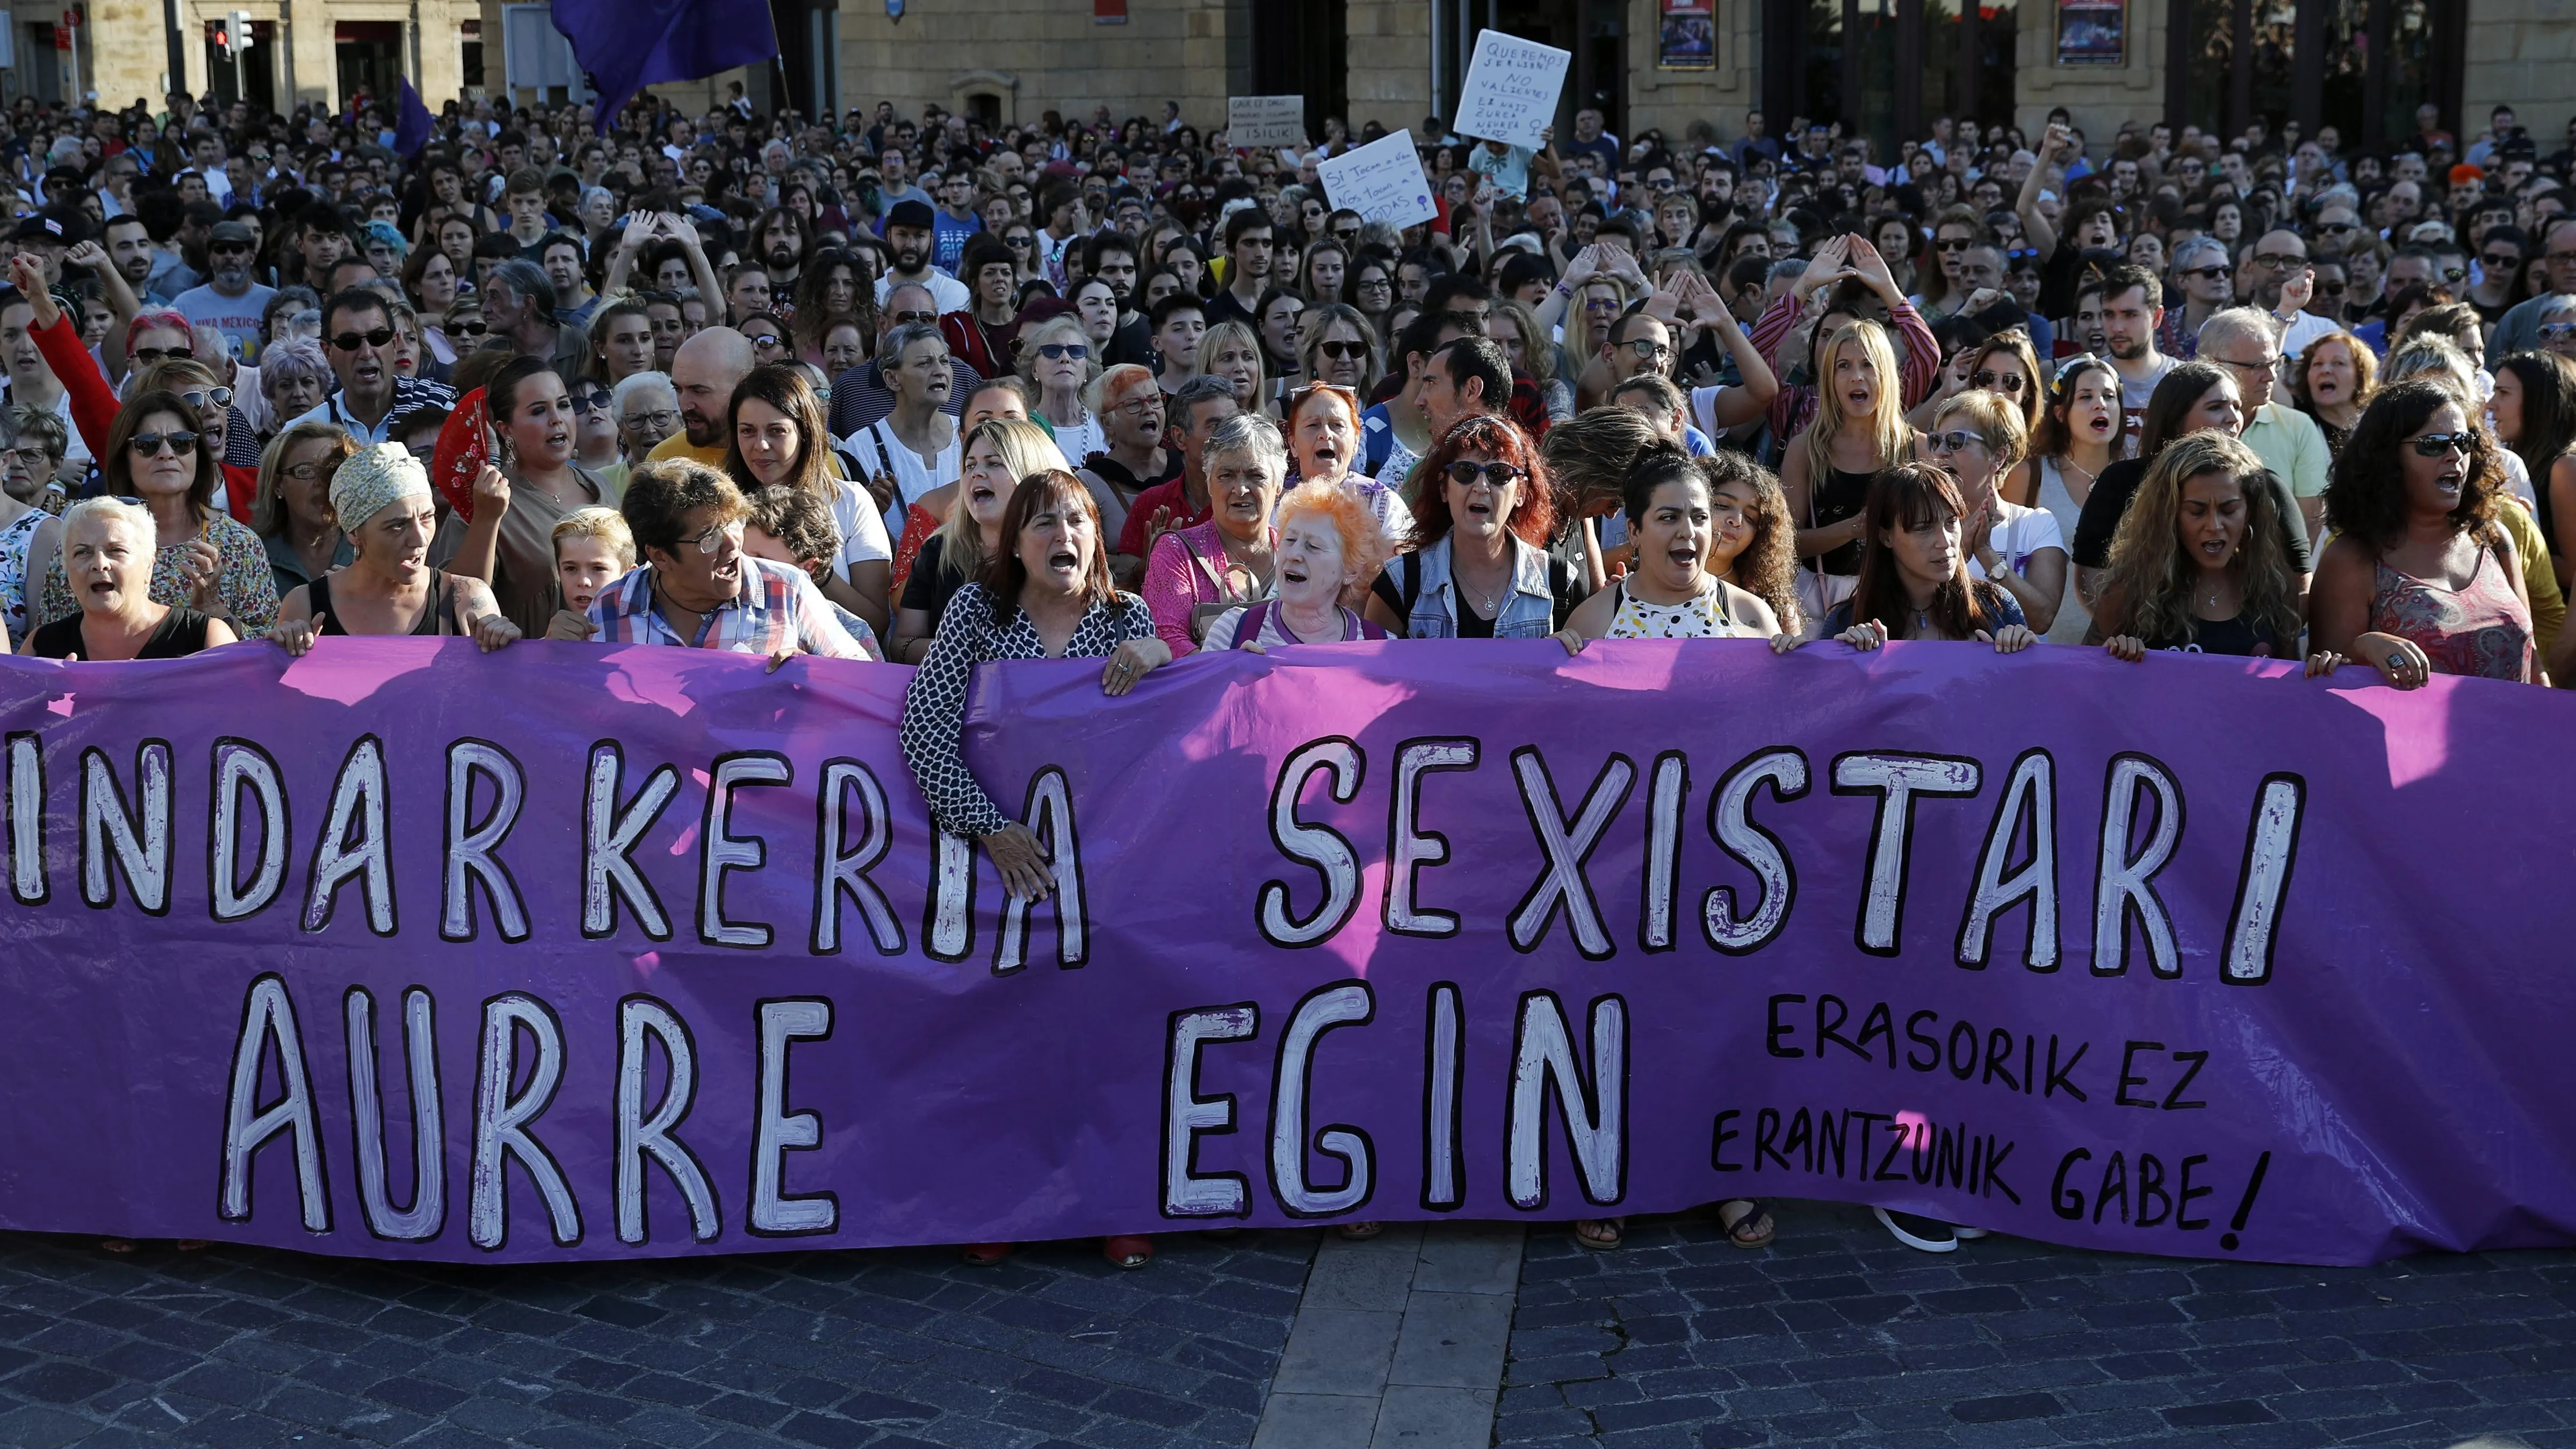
(1664, 183)
(149, 355)
(221, 397)
(467, 329)
(31, 453)
(2260, 364)
(2557, 331)
(2206, 274)
(2440, 445)
(229, 249)
(591, 402)
(311, 472)
(2338, 228)
(657, 418)
(1466, 473)
(1374, 284)
(1954, 244)
(1648, 349)
(907, 319)
(706, 542)
(2330, 289)
(1953, 441)
(352, 341)
(1342, 351)
(2569, 257)
(2009, 383)
(149, 445)
(1140, 407)
(2275, 261)
(2503, 260)
(1018, 243)
(1064, 351)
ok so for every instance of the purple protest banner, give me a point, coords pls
(566, 952)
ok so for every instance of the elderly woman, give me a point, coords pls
(382, 493)
(1977, 437)
(509, 543)
(110, 547)
(999, 452)
(2420, 579)
(292, 508)
(2332, 382)
(1046, 595)
(1477, 565)
(2197, 568)
(1323, 425)
(1330, 546)
(1194, 574)
(647, 409)
(294, 377)
(1058, 358)
(1130, 407)
(779, 437)
(1674, 524)
(207, 561)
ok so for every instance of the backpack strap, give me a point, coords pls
(1410, 585)
(1248, 629)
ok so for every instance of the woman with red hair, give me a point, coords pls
(1476, 565)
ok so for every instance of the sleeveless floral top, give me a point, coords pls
(2481, 629)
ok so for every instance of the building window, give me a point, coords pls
(2360, 66)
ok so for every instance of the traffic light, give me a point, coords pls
(237, 37)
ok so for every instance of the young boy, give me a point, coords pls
(592, 550)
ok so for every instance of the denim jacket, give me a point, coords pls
(1529, 611)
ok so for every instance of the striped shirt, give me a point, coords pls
(777, 609)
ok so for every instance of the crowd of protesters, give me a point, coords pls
(911, 388)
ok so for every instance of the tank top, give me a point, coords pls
(2223, 636)
(2073, 618)
(438, 618)
(2481, 629)
(1702, 616)
(182, 633)
(1842, 496)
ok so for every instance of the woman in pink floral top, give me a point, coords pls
(1196, 574)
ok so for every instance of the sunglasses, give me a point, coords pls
(1342, 351)
(1952, 442)
(907, 319)
(352, 341)
(467, 329)
(1466, 473)
(148, 445)
(2276, 261)
(591, 402)
(229, 249)
(1016, 243)
(221, 397)
(2454, 274)
(2330, 289)
(2010, 382)
(2206, 274)
(2439, 445)
(1064, 351)
(2557, 331)
(1954, 244)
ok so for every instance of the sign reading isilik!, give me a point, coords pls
(2190, 957)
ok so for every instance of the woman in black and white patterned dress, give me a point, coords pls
(1047, 596)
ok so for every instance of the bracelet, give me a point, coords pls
(1563, 290)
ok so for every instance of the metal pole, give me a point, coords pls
(178, 46)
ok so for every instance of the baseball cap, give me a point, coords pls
(58, 228)
(909, 213)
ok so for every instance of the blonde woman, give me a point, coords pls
(1859, 429)
(291, 511)
(998, 453)
(1058, 359)
(1979, 439)
(1232, 351)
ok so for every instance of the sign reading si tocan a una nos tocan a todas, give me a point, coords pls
(570, 952)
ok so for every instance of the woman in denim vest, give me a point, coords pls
(1476, 566)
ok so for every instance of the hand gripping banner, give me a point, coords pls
(566, 952)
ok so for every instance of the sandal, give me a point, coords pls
(1747, 1223)
(1128, 1250)
(1359, 1232)
(985, 1255)
(1599, 1234)
(1920, 1242)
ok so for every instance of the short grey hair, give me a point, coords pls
(1191, 393)
(633, 383)
(114, 510)
(525, 279)
(2185, 256)
(1251, 434)
(901, 339)
(2238, 322)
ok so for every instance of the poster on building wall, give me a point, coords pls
(2092, 32)
(1511, 90)
(1260, 122)
(1686, 35)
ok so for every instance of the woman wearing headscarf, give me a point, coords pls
(382, 497)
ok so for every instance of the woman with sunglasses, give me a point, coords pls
(1339, 347)
(292, 511)
(1977, 437)
(1020, 239)
(383, 496)
(206, 560)
(1476, 563)
(2420, 579)
(1057, 358)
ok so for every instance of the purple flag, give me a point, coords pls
(626, 45)
(661, 955)
(411, 121)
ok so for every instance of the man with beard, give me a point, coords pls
(784, 242)
(704, 372)
(2132, 306)
(861, 396)
(358, 337)
(560, 255)
(129, 247)
(957, 219)
(2280, 281)
(907, 235)
(519, 307)
(913, 449)
(230, 301)
(1111, 256)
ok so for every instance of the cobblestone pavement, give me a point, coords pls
(240, 1347)
(1840, 1333)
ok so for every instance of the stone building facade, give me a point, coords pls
(303, 50)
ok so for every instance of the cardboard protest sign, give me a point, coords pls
(1382, 181)
(1511, 91)
(1255, 123)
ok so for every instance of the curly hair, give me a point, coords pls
(801, 524)
(1767, 567)
(1365, 546)
(1902, 499)
(2367, 495)
(1533, 519)
(2147, 590)
(2365, 370)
